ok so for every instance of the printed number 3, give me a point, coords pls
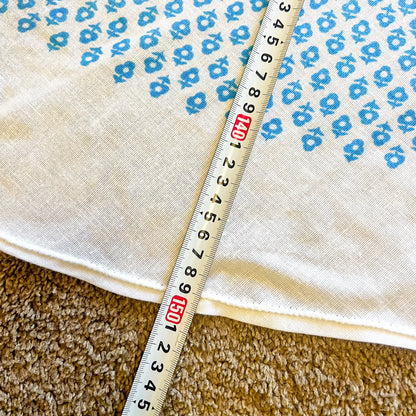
(156, 367)
(283, 7)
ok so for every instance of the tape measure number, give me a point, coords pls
(184, 289)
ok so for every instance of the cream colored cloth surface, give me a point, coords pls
(98, 177)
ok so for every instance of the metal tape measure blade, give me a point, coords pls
(184, 289)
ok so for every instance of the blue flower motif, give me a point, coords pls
(361, 30)
(345, 66)
(258, 5)
(120, 47)
(412, 25)
(407, 6)
(387, 18)
(358, 88)
(326, 23)
(397, 97)
(383, 76)
(206, 20)
(369, 112)
(395, 158)
(116, 27)
(407, 121)
(91, 56)
(180, 29)
(58, 41)
(289, 95)
(287, 67)
(113, 5)
(351, 9)
(150, 38)
(370, 52)
(90, 35)
(189, 78)
(57, 16)
(414, 143)
(413, 84)
(408, 60)
(227, 90)
(320, 79)
(335, 44)
(25, 4)
(341, 126)
(397, 39)
(329, 104)
(272, 128)
(302, 117)
(173, 8)
(234, 11)
(211, 44)
(239, 35)
(154, 63)
(196, 103)
(310, 141)
(124, 71)
(183, 55)
(28, 23)
(158, 88)
(310, 56)
(353, 150)
(381, 136)
(302, 32)
(147, 16)
(245, 53)
(219, 68)
(200, 3)
(86, 13)
(316, 4)
(3, 6)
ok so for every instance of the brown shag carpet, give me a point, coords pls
(69, 348)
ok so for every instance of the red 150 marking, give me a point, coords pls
(176, 309)
(240, 128)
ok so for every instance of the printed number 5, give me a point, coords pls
(143, 404)
(284, 8)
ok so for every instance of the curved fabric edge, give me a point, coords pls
(299, 322)
(309, 326)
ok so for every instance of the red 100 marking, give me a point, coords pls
(176, 309)
(240, 127)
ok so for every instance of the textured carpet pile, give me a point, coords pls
(69, 348)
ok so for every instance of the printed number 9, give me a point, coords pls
(284, 8)
(248, 108)
(185, 288)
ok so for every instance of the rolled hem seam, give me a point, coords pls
(140, 289)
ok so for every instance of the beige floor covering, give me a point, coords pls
(69, 348)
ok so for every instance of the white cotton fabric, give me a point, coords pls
(98, 179)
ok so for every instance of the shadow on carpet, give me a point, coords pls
(69, 348)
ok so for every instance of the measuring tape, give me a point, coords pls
(183, 293)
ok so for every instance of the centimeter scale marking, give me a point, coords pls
(183, 293)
